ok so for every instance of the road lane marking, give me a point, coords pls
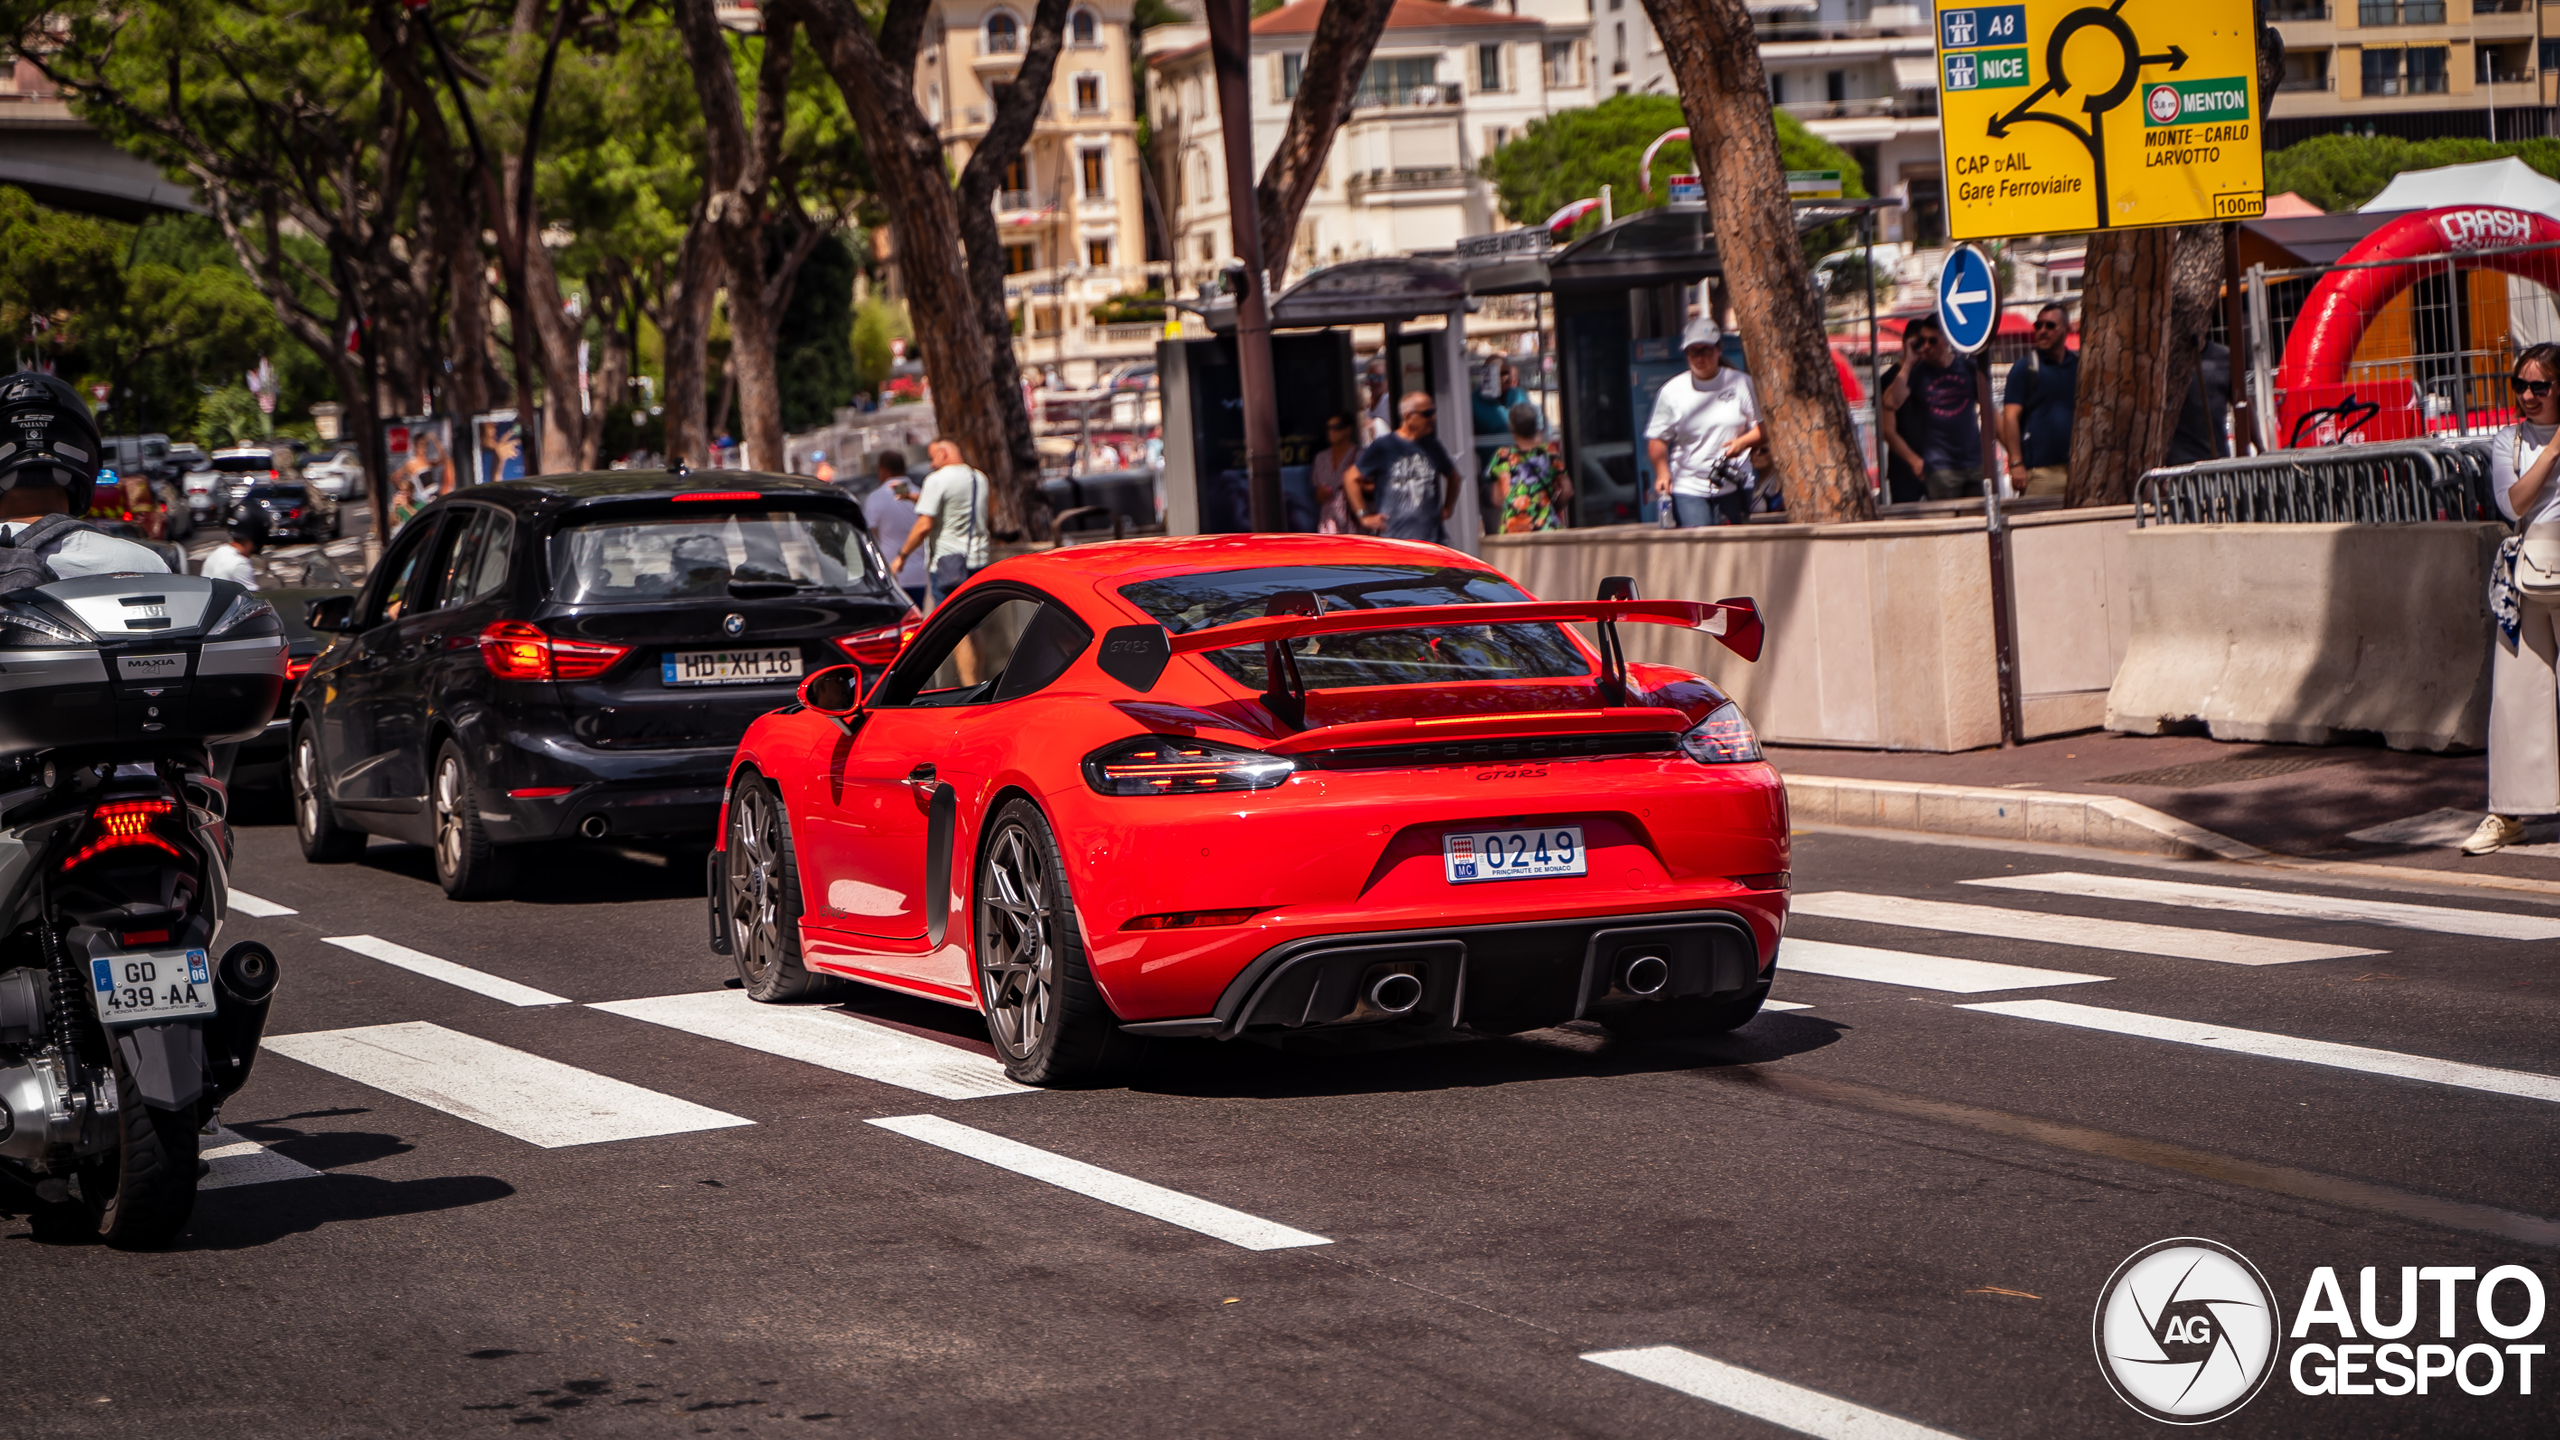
(238, 1161)
(1216, 1221)
(1792, 1407)
(829, 1038)
(420, 963)
(2082, 930)
(2485, 924)
(257, 909)
(1782, 1005)
(542, 1102)
(1920, 972)
(2523, 1084)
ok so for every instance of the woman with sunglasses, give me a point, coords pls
(2524, 691)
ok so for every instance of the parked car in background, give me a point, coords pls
(335, 474)
(183, 458)
(575, 655)
(297, 514)
(259, 763)
(241, 466)
(145, 455)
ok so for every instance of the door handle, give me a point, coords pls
(922, 777)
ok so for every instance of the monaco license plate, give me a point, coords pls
(1472, 856)
(158, 985)
(729, 667)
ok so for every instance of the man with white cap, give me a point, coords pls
(1703, 423)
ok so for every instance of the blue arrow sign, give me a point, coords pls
(1967, 305)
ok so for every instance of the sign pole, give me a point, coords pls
(1969, 310)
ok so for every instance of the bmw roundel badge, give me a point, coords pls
(736, 625)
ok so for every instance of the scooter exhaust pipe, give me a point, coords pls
(594, 827)
(1644, 975)
(244, 986)
(1395, 993)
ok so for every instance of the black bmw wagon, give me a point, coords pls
(575, 655)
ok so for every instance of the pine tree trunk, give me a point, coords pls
(2121, 420)
(1715, 56)
(1337, 58)
(684, 325)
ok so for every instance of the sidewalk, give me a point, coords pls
(2322, 803)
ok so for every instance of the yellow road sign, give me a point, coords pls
(2064, 115)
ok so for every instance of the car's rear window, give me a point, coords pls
(278, 492)
(243, 464)
(1424, 656)
(698, 554)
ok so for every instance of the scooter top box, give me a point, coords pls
(112, 659)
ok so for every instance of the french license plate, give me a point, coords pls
(729, 667)
(1479, 855)
(159, 985)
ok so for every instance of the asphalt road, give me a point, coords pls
(1882, 1209)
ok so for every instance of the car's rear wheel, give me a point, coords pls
(762, 876)
(315, 820)
(468, 864)
(1044, 1012)
(1684, 1018)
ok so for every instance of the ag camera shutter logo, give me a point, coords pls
(2186, 1331)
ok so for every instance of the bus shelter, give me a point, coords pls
(1317, 376)
(1621, 296)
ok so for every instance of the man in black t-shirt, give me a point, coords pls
(1404, 485)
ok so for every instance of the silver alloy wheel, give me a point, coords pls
(1017, 954)
(306, 784)
(451, 795)
(755, 889)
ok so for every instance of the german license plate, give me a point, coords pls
(1473, 856)
(729, 667)
(158, 985)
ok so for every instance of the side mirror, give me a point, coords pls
(330, 613)
(836, 690)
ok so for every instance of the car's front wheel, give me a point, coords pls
(468, 864)
(761, 878)
(315, 820)
(1044, 1012)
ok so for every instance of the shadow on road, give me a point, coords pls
(244, 1217)
(605, 873)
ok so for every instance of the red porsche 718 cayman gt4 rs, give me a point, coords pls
(1295, 787)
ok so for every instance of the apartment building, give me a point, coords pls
(2416, 68)
(1446, 86)
(1073, 205)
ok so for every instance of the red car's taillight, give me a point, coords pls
(879, 647)
(514, 650)
(126, 822)
(296, 669)
(1166, 765)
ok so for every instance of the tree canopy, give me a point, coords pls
(1569, 155)
(2341, 172)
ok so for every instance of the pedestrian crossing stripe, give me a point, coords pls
(825, 1037)
(1919, 972)
(2082, 930)
(2292, 905)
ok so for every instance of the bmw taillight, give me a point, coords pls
(1723, 738)
(1165, 765)
(879, 647)
(122, 824)
(514, 650)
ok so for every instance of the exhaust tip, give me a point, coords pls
(1395, 993)
(248, 972)
(594, 827)
(1644, 975)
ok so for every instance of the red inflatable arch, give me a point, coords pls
(2334, 316)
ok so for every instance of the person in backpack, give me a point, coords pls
(951, 518)
(49, 463)
(230, 560)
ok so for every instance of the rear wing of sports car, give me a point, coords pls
(1137, 654)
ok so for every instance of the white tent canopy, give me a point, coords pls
(2509, 182)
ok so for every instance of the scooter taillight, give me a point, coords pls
(124, 823)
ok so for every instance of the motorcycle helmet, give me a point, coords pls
(47, 438)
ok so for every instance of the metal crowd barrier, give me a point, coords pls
(2395, 482)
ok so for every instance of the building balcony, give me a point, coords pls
(1410, 97)
(1842, 109)
(1384, 182)
(2298, 10)
(2295, 83)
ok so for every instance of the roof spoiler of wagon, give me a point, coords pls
(1137, 654)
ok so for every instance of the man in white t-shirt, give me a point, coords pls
(1703, 423)
(951, 513)
(230, 559)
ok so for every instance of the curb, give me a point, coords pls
(2104, 822)
(2038, 817)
